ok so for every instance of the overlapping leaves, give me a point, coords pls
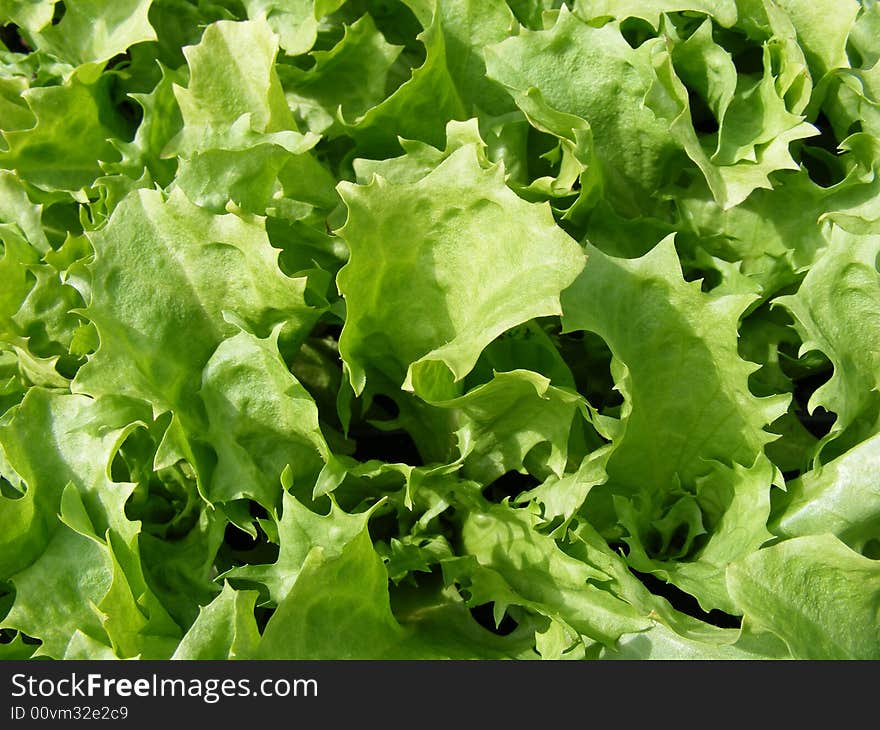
(439, 329)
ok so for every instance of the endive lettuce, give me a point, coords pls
(431, 329)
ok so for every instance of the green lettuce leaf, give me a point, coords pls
(261, 422)
(835, 311)
(225, 629)
(93, 31)
(755, 134)
(840, 498)
(439, 329)
(338, 609)
(517, 565)
(299, 531)
(29, 14)
(345, 82)
(220, 263)
(658, 327)
(459, 310)
(607, 92)
(43, 156)
(725, 12)
(816, 594)
(296, 22)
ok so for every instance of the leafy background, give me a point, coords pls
(439, 329)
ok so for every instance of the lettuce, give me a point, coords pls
(439, 329)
